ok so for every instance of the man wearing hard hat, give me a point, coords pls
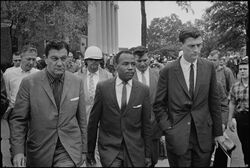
(91, 75)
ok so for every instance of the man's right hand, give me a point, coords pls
(91, 159)
(232, 125)
(19, 160)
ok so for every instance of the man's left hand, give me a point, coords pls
(219, 139)
(148, 162)
(84, 160)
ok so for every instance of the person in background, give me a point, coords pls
(121, 112)
(48, 122)
(149, 77)
(187, 105)
(4, 104)
(14, 76)
(239, 108)
(223, 73)
(16, 60)
(91, 75)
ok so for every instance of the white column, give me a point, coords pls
(113, 27)
(99, 24)
(104, 28)
(92, 25)
(109, 27)
(116, 28)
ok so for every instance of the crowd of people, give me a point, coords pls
(65, 110)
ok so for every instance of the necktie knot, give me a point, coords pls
(192, 65)
(124, 83)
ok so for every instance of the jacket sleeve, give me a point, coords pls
(18, 119)
(81, 117)
(161, 100)
(4, 100)
(215, 104)
(94, 119)
(146, 123)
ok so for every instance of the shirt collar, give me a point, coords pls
(52, 79)
(145, 72)
(119, 81)
(95, 73)
(186, 63)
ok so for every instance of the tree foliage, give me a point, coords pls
(36, 21)
(163, 35)
(229, 20)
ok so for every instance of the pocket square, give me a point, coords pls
(74, 99)
(138, 106)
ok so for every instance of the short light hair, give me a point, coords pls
(28, 48)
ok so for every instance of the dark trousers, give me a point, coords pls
(242, 120)
(193, 157)
(155, 151)
(123, 158)
(61, 157)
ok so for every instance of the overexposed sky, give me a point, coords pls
(129, 17)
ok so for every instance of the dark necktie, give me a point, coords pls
(124, 97)
(191, 81)
(57, 92)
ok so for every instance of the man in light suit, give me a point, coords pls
(187, 105)
(149, 77)
(48, 123)
(92, 57)
(91, 75)
(122, 107)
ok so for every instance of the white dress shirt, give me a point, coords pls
(185, 66)
(146, 74)
(13, 78)
(95, 78)
(118, 89)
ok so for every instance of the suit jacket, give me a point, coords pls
(133, 125)
(35, 111)
(153, 80)
(174, 107)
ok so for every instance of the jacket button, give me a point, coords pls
(188, 123)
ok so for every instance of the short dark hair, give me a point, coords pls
(140, 51)
(57, 45)
(188, 32)
(214, 52)
(116, 58)
(17, 53)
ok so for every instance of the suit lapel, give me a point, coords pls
(180, 77)
(66, 86)
(47, 88)
(113, 97)
(198, 77)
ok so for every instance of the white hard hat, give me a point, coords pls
(93, 52)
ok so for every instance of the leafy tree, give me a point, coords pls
(229, 20)
(36, 21)
(185, 5)
(163, 35)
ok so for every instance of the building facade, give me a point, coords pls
(103, 26)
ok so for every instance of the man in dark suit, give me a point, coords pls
(187, 105)
(149, 77)
(48, 122)
(122, 110)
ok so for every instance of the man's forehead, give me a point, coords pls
(193, 41)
